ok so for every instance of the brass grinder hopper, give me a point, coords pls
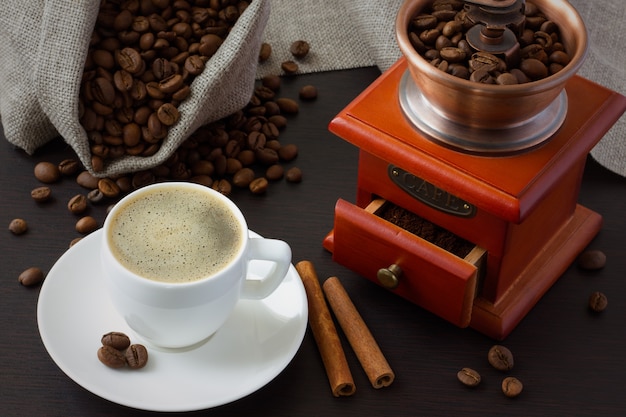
(492, 119)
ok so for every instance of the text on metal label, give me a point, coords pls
(429, 194)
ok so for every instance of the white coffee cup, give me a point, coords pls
(161, 287)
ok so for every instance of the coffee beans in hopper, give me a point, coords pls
(438, 32)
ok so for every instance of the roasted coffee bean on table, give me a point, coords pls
(18, 226)
(512, 387)
(41, 194)
(438, 32)
(86, 225)
(592, 259)
(31, 276)
(598, 301)
(294, 174)
(468, 377)
(47, 172)
(500, 357)
(78, 204)
(308, 92)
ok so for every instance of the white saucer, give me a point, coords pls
(252, 348)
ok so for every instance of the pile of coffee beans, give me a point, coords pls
(117, 352)
(242, 150)
(438, 33)
(142, 58)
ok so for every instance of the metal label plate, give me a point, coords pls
(429, 194)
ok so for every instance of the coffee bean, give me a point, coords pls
(136, 356)
(266, 156)
(108, 188)
(86, 180)
(111, 357)
(500, 358)
(293, 175)
(506, 78)
(258, 185)
(598, 301)
(308, 92)
(271, 81)
(274, 172)
(512, 387)
(290, 67)
(288, 152)
(47, 172)
(41, 194)
(534, 68)
(116, 340)
(95, 196)
(31, 276)
(222, 186)
(265, 52)
(243, 177)
(75, 241)
(278, 120)
(299, 49)
(78, 204)
(86, 225)
(69, 167)
(194, 64)
(129, 60)
(18, 226)
(288, 105)
(468, 377)
(592, 259)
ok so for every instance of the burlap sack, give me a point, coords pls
(42, 54)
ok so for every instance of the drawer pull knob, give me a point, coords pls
(389, 277)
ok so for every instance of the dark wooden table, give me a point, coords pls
(570, 361)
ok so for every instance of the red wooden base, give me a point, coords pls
(498, 319)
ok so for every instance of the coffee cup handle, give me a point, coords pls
(272, 250)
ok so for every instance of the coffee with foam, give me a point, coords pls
(175, 235)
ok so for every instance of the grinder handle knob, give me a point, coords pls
(389, 277)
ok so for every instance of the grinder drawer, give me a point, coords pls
(428, 275)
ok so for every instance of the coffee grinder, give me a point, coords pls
(497, 167)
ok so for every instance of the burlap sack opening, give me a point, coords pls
(42, 56)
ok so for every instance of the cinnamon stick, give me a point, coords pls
(361, 339)
(325, 333)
